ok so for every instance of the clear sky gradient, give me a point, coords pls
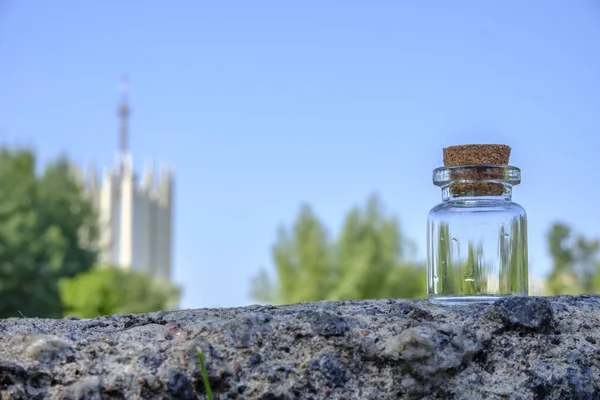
(262, 105)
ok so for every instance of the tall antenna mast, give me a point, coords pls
(124, 112)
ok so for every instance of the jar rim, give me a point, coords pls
(506, 174)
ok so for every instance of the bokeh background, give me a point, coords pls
(302, 135)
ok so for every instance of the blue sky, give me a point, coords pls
(262, 105)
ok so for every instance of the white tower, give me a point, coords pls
(135, 219)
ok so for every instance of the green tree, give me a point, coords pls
(303, 259)
(110, 290)
(574, 262)
(63, 206)
(373, 257)
(369, 259)
(41, 221)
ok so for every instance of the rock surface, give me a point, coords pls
(518, 348)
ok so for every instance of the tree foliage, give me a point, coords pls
(369, 259)
(41, 218)
(575, 264)
(110, 290)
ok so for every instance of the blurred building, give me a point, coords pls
(135, 216)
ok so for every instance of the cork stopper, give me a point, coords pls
(476, 154)
(472, 181)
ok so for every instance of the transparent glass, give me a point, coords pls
(477, 236)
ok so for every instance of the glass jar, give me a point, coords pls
(477, 236)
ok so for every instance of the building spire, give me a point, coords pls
(124, 112)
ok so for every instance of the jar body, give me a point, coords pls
(477, 250)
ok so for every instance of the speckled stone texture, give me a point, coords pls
(518, 348)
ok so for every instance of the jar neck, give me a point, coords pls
(503, 193)
(477, 182)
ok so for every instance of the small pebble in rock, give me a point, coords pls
(326, 324)
(254, 359)
(590, 339)
(525, 313)
(48, 348)
(237, 368)
(174, 331)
